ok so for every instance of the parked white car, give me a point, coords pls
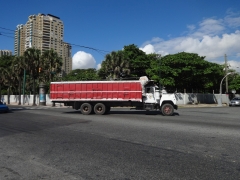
(235, 102)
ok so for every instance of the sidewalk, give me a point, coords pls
(30, 104)
(200, 105)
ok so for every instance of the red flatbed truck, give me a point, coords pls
(99, 96)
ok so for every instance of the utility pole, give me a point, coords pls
(226, 71)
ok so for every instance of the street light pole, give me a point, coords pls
(226, 70)
(220, 91)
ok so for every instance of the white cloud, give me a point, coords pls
(210, 38)
(148, 49)
(209, 27)
(191, 27)
(234, 65)
(83, 60)
(232, 19)
(233, 22)
(153, 40)
(99, 66)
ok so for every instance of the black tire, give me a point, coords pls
(86, 108)
(167, 110)
(100, 109)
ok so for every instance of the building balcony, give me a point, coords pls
(46, 37)
(46, 41)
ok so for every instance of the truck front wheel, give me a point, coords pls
(167, 110)
(86, 108)
(100, 108)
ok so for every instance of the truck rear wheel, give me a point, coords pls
(86, 108)
(167, 110)
(100, 109)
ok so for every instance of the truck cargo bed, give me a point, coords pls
(96, 91)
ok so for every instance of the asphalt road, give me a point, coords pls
(61, 143)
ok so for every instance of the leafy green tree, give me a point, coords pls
(186, 71)
(234, 82)
(32, 59)
(139, 62)
(82, 75)
(211, 77)
(153, 71)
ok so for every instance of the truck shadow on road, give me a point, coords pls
(140, 112)
(134, 112)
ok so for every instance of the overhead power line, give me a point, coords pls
(102, 52)
(7, 29)
(6, 35)
(6, 32)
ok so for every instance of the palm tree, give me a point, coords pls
(51, 65)
(6, 75)
(32, 59)
(18, 66)
(5, 63)
(116, 64)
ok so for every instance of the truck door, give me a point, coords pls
(150, 95)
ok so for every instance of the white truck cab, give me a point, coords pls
(153, 98)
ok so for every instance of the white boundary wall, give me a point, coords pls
(182, 98)
(28, 100)
(191, 98)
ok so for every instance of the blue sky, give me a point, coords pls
(207, 27)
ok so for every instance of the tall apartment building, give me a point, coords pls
(5, 53)
(19, 40)
(67, 58)
(43, 32)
